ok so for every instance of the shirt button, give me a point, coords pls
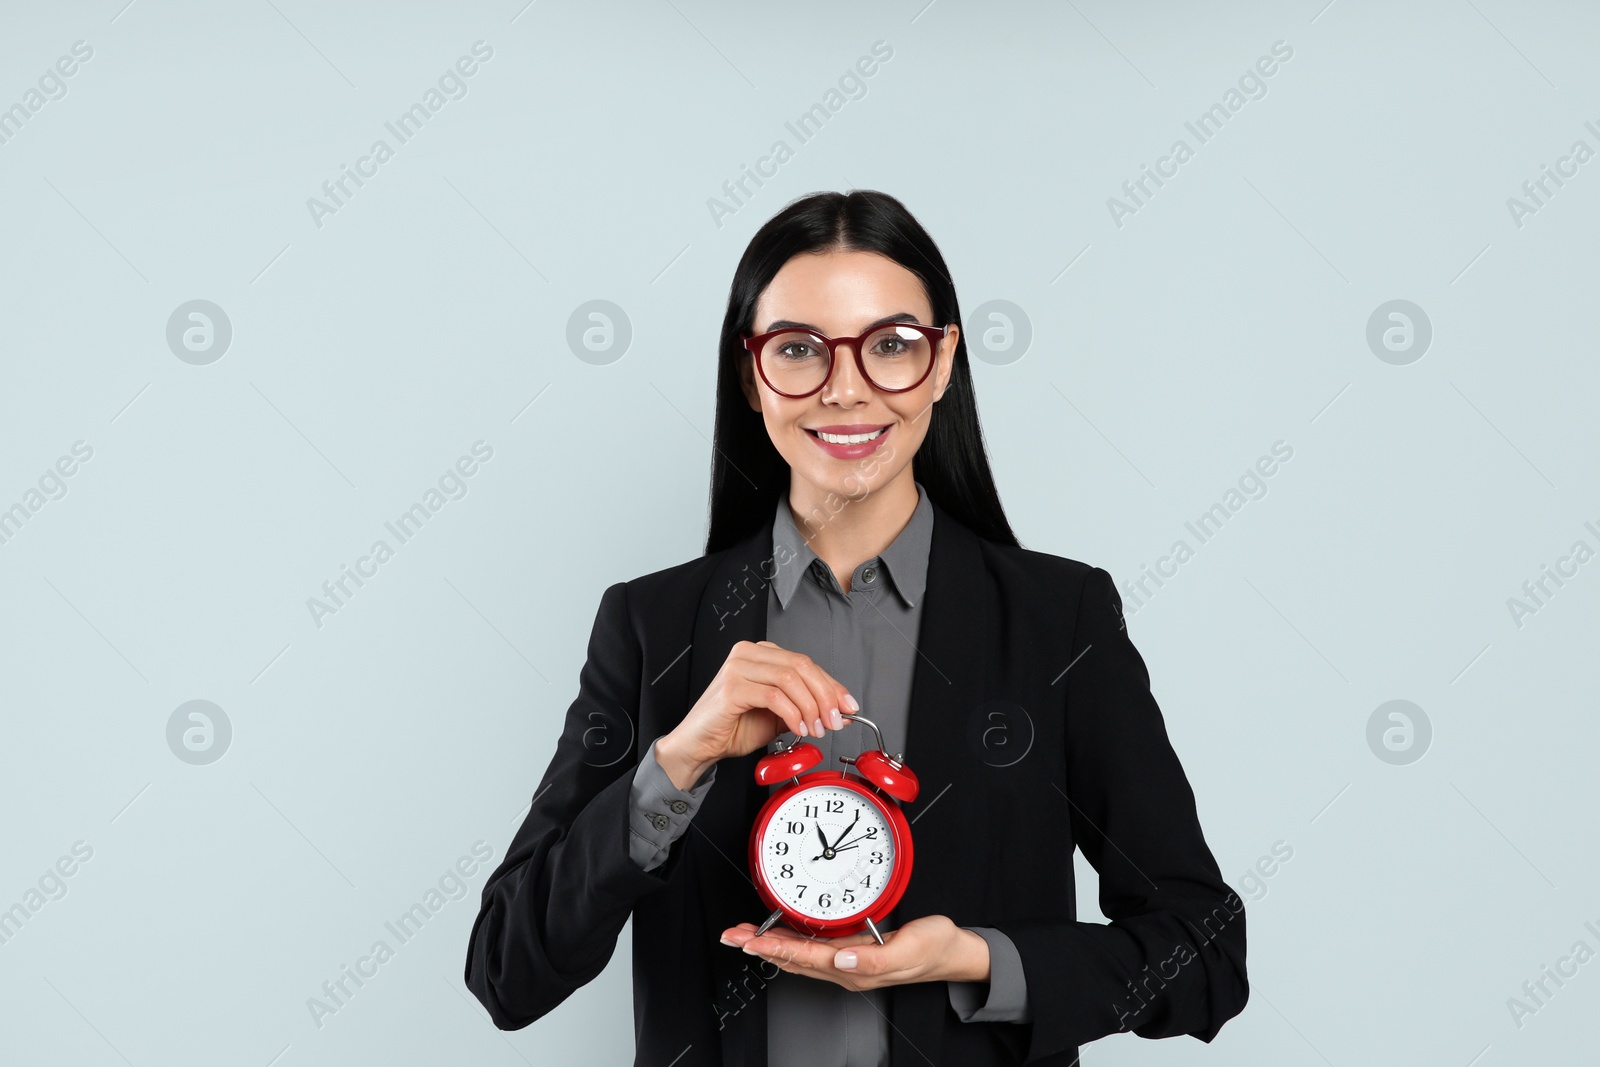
(680, 806)
(868, 575)
(659, 822)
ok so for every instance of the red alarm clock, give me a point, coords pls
(831, 852)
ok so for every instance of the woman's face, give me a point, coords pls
(842, 294)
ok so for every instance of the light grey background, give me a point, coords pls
(1227, 313)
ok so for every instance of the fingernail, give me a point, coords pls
(838, 720)
(851, 700)
(751, 951)
(802, 730)
(845, 961)
(725, 941)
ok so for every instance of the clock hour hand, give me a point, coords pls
(824, 840)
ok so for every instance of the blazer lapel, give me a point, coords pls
(733, 608)
(946, 686)
(953, 649)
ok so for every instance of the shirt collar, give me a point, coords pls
(906, 557)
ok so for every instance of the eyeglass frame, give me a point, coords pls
(935, 335)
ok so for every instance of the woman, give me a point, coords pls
(854, 516)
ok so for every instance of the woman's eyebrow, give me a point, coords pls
(786, 324)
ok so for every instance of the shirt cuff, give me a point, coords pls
(659, 812)
(1006, 989)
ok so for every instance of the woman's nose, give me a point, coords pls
(846, 382)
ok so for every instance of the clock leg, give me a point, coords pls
(873, 927)
(774, 917)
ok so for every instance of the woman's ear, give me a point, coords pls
(747, 381)
(946, 361)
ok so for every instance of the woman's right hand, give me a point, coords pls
(760, 691)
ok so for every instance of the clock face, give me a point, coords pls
(827, 852)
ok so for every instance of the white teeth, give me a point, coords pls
(848, 439)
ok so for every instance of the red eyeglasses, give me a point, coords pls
(796, 363)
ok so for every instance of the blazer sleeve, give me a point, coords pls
(1171, 959)
(550, 913)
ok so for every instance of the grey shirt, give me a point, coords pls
(866, 639)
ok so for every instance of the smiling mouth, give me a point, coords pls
(849, 439)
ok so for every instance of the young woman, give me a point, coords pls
(859, 559)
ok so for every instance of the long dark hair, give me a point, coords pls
(748, 475)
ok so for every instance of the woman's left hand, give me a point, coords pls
(929, 949)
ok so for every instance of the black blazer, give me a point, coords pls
(1041, 633)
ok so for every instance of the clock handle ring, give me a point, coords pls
(893, 761)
